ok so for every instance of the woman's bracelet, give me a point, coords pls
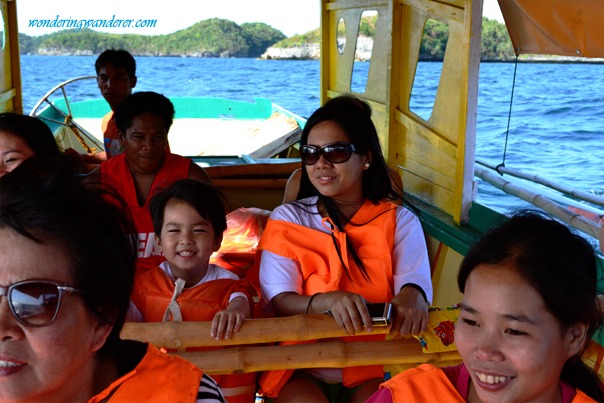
(310, 302)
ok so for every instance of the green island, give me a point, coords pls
(223, 38)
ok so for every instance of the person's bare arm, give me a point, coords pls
(292, 186)
(348, 309)
(410, 312)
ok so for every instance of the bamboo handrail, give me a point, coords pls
(247, 350)
(270, 330)
(330, 354)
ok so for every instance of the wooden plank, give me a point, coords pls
(249, 183)
(252, 170)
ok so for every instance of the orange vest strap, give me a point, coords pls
(159, 377)
(425, 383)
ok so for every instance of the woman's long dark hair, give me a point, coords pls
(353, 115)
(560, 265)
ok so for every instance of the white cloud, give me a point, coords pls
(490, 9)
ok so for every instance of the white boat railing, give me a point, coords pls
(564, 214)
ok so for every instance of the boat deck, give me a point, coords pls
(258, 138)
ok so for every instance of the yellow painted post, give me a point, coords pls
(437, 153)
(10, 80)
(435, 156)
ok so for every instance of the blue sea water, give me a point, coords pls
(556, 129)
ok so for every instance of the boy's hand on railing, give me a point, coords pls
(410, 312)
(229, 320)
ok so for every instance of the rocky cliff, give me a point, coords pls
(312, 51)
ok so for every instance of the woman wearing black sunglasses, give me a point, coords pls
(341, 245)
(66, 271)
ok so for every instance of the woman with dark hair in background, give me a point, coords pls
(22, 137)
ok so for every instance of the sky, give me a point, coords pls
(289, 16)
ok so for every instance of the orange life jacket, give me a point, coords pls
(159, 377)
(322, 271)
(153, 291)
(152, 294)
(425, 383)
(111, 136)
(428, 383)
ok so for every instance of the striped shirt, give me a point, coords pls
(209, 392)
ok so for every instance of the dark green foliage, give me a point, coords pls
(209, 38)
(496, 43)
(260, 36)
(434, 41)
(367, 26)
(308, 38)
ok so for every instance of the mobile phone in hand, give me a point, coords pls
(381, 313)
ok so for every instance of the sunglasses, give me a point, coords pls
(36, 302)
(335, 153)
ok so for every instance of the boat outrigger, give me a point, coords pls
(435, 158)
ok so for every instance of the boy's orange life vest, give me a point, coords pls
(152, 294)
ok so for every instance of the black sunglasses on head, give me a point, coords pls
(36, 302)
(335, 153)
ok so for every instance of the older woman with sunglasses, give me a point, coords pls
(341, 245)
(66, 270)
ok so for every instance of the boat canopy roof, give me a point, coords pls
(555, 27)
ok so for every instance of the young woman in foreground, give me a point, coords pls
(341, 245)
(529, 310)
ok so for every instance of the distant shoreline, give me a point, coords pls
(522, 59)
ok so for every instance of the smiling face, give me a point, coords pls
(52, 363)
(343, 182)
(13, 151)
(187, 240)
(513, 347)
(145, 143)
(115, 84)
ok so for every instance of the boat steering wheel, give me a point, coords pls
(88, 143)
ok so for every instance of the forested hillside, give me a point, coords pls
(223, 38)
(209, 38)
